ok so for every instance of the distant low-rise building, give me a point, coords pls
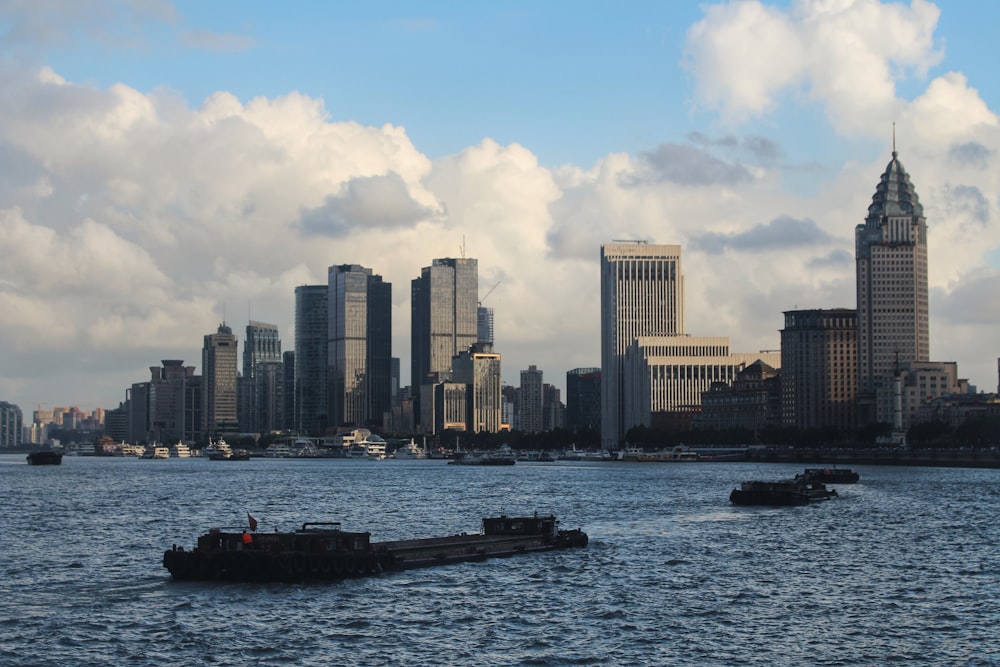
(753, 401)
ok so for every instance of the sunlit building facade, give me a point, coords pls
(219, 361)
(642, 294)
(359, 365)
(443, 322)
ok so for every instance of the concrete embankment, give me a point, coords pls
(952, 458)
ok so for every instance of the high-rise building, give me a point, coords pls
(642, 294)
(531, 401)
(311, 324)
(443, 321)
(288, 390)
(819, 368)
(484, 324)
(168, 416)
(893, 316)
(11, 422)
(583, 399)
(479, 369)
(219, 371)
(262, 376)
(553, 410)
(360, 346)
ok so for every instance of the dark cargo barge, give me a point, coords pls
(322, 551)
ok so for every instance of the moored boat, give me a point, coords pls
(45, 458)
(410, 450)
(323, 551)
(502, 456)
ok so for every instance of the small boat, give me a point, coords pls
(781, 493)
(322, 551)
(45, 458)
(502, 456)
(830, 475)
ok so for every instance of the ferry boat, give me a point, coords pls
(180, 451)
(156, 452)
(323, 551)
(218, 450)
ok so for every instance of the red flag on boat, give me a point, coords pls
(253, 521)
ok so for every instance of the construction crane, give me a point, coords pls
(489, 292)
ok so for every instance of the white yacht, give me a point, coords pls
(180, 450)
(410, 450)
(219, 449)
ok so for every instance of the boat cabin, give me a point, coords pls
(534, 525)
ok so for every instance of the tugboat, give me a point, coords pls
(323, 551)
(782, 493)
(830, 475)
(45, 458)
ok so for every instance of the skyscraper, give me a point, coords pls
(583, 398)
(219, 363)
(443, 309)
(479, 369)
(642, 294)
(360, 346)
(893, 316)
(262, 373)
(819, 368)
(10, 425)
(531, 400)
(311, 323)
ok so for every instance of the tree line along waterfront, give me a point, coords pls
(975, 442)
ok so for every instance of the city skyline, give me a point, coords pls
(160, 165)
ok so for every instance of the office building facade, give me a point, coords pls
(583, 399)
(359, 369)
(311, 340)
(642, 294)
(219, 361)
(819, 368)
(443, 321)
(893, 315)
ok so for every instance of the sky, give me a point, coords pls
(167, 166)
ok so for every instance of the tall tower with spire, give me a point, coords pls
(891, 253)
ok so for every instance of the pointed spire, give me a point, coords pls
(894, 154)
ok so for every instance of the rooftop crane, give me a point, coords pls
(489, 292)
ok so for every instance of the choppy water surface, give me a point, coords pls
(903, 568)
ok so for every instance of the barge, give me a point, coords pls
(830, 475)
(781, 493)
(323, 551)
(45, 458)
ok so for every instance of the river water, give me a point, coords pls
(903, 568)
